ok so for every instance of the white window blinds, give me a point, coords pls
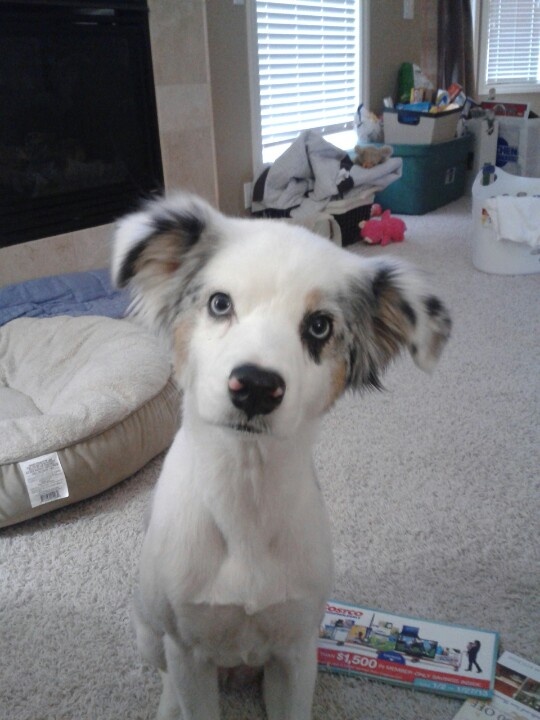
(308, 53)
(513, 43)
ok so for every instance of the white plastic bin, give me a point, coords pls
(408, 127)
(489, 254)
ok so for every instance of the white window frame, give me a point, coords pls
(481, 16)
(363, 89)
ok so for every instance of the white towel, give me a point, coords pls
(515, 218)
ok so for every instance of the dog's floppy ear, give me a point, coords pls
(390, 307)
(159, 250)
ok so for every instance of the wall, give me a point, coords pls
(394, 40)
(182, 75)
(181, 72)
(229, 73)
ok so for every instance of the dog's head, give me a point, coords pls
(269, 324)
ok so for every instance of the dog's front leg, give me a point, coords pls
(194, 682)
(169, 706)
(289, 682)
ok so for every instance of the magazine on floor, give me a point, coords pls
(425, 655)
(516, 696)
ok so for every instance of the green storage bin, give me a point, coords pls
(433, 175)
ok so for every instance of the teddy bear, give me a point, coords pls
(370, 155)
(382, 228)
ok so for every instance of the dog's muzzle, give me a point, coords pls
(255, 391)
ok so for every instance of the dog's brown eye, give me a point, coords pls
(220, 305)
(319, 327)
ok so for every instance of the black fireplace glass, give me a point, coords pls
(79, 139)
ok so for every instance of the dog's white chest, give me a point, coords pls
(250, 579)
(230, 537)
(227, 637)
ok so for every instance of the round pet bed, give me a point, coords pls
(87, 401)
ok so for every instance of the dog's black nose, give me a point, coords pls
(254, 390)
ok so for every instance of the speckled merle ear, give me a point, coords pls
(390, 307)
(159, 250)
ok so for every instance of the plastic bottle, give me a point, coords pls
(488, 174)
(405, 82)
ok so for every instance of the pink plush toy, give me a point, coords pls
(384, 229)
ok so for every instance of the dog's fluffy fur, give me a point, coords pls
(269, 325)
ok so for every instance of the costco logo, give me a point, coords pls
(346, 612)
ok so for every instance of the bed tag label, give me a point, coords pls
(44, 478)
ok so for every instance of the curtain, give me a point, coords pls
(455, 45)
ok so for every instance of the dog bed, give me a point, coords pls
(84, 403)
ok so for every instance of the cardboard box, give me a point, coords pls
(433, 176)
(419, 128)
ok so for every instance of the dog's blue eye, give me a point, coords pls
(320, 327)
(220, 305)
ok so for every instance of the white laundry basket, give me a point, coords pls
(499, 256)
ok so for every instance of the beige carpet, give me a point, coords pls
(432, 488)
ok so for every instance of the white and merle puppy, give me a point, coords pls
(269, 325)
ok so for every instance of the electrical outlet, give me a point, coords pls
(248, 188)
(408, 9)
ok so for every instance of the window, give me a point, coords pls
(308, 58)
(510, 46)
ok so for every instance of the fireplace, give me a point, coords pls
(79, 139)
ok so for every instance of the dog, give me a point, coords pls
(268, 325)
